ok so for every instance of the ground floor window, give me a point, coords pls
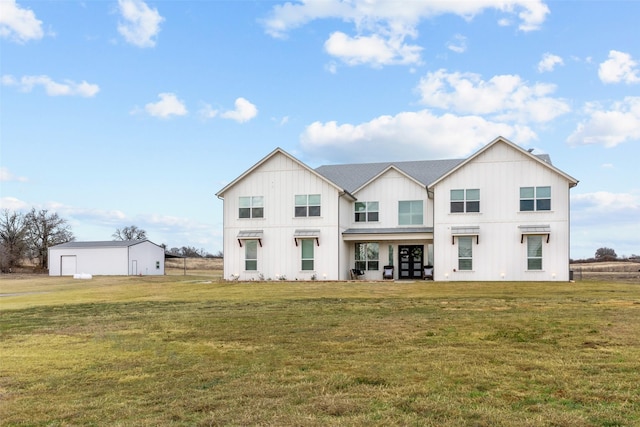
(251, 255)
(465, 253)
(367, 256)
(534, 252)
(307, 254)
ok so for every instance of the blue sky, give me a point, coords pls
(115, 113)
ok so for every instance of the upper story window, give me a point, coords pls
(251, 207)
(465, 200)
(535, 199)
(366, 211)
(307, 205)
(410, 212)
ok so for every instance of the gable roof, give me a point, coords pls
(353, 177)
(220, 194)
(543, 159)
(102, 244)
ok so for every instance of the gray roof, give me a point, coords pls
(351, 177)
(101, 244)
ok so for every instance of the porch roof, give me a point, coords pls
(404, 233)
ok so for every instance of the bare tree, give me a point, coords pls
(45, 230)
(606, 254)
(13, 238)
(129, 233)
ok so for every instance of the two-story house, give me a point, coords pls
(501, 214)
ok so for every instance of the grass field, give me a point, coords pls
(190, 350)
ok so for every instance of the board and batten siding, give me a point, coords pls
(278, 179)
(499, 254)
(389, 189)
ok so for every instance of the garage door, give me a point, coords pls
(67, 265)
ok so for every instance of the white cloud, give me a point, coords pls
(620, 67)
(374, 50)
(549, 62)
(141, 23)
(18, 24)
(458, 44)
(592, 226)
(381, 27)
(244, 111)
(52, 88)
(609, 127)
(600, 204)
(13, 204)
(365, 13)
(407, 135)
(507, 97)
(208, 112)
(7, 176)
(169, 105)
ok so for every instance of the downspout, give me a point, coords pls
(431, 195)
(339, 238)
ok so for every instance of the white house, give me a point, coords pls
(109, 258)
(501, 214)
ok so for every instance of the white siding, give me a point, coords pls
(388, 189)
(107, 261)
(147, 256)
(95, 261)
(499, 172)
(278, 179)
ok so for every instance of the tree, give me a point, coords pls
(606, 254)
(13, 238)
(45, 230)
(129, 233)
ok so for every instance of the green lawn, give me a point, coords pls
(187, 350)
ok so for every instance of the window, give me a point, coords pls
(307, 254)
(251, 207)
(251, 255)
(307, 205)
(534, 252)
(410, 212)
(535, 199)
(366, 211)
(465, 200)
(367, 255)
(465, 253)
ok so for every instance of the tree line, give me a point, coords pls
(29, 236)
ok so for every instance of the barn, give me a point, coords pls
(108, 258)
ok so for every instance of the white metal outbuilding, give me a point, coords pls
(108, 258)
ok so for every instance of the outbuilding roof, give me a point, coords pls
(101, 244)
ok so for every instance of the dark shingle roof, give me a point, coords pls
(353, 176)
